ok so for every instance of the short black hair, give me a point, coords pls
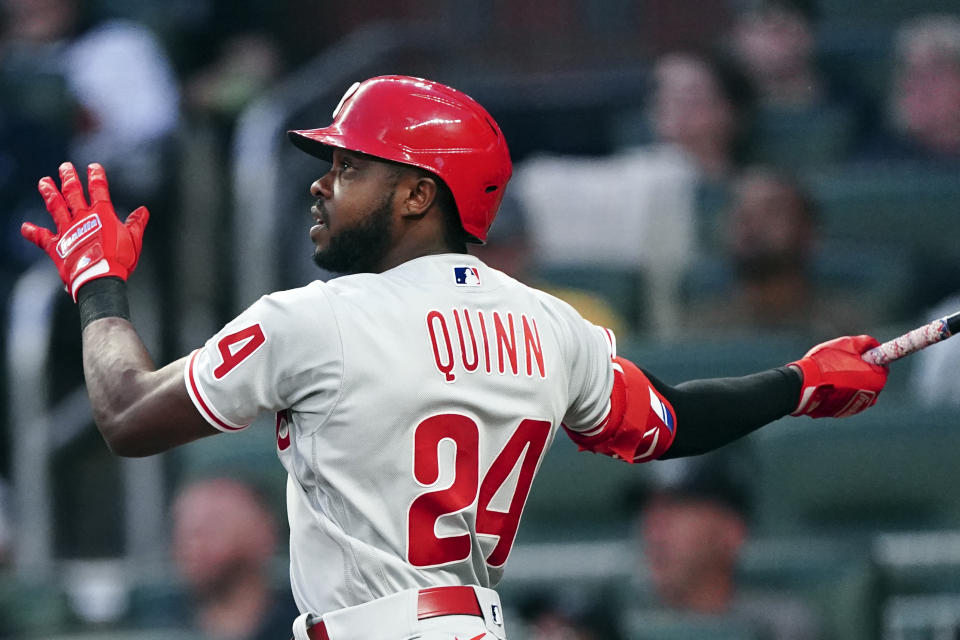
(456, 236)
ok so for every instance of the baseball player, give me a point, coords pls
(416, 396)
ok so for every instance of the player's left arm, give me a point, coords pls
(831, 381)
(139, 409)
(648, 419)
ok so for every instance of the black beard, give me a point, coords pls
(360, 248)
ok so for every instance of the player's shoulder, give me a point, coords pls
(455, 271)
(554, 305)
(574, 329)
(292, 297)
(292, 305)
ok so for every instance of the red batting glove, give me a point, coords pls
(91, 242)
(837, 382)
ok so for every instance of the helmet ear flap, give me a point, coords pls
(428, 125)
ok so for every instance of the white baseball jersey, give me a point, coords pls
(414, 408)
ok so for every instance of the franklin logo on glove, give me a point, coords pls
(79, 231)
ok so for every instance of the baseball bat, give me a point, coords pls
(919, 338)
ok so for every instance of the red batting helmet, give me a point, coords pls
(428, 125)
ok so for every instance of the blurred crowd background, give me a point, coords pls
(722, 182)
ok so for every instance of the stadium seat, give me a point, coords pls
(933, 616)
(891, 468)
(801, 138)
(31, 607)
(920, 580)
(901, 206)
(666, 625)
(827, 581)
(834, 575)
(916, 563)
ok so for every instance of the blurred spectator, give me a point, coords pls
(770, 238)
(123, 91)
(224, 539)
(647, 209)
(106, 91)
(924, 100)
(565, 614)
(704, 107)
(552, 625)
(693, 522)
(933, 379)
(35, 112)
(28, 151)
(247, 64)
(805, 117)
(626, 218)
(774, 42)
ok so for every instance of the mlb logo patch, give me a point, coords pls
(466, 276)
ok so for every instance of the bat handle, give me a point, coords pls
(910, 342)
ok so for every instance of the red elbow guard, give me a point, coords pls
(641, 423)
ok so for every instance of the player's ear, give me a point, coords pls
(419, 191)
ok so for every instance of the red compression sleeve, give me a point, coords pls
(640, 425)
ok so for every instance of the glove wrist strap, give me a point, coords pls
(809, 375)
(102, 298)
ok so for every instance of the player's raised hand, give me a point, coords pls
(90, 241)
(837, 382)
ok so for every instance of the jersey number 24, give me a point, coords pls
(424, 547)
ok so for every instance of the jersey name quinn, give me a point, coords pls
(493, 342)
